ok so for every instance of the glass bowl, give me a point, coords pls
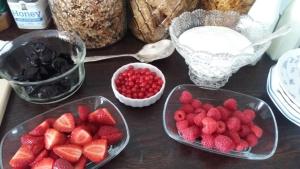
(214, 69)
(11, 140)
(59, 86)
(265, 118)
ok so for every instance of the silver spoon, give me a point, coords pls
(150, 52)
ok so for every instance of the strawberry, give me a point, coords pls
(179, 115)
(80, 136)
(29, 139)
(111, 134)
(38, 158)
(185, 97)
(69, 152)
(81, 163)
(230, 104)
(65, 123)
(52, 138)
(209, 125)
(102, 116)
(83, 112)
(37, 148)
(62, 164)
(51, 121)
(45, 163)
(95, 150)
(224, 143)
(23, 157)
(53, 155)
(40, 129)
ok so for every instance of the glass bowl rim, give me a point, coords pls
(49, 33)
(261, 157)
(70, 103)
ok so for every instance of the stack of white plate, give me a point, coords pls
(283, 85)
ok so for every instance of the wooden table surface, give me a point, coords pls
(149, 146)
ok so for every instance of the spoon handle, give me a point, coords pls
(98, 58)
(280, 32)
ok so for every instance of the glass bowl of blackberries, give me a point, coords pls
(44, 66)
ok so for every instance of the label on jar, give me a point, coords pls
(30, 15)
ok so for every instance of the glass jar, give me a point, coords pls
(99, 23)
(4, 16)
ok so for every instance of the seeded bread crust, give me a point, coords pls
(151, 18)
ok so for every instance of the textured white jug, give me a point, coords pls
(292, 39)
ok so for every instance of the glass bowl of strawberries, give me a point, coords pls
(221, 121)
(83, 134)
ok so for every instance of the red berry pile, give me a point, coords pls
(68, 142)
(138, 83)
(223, 127)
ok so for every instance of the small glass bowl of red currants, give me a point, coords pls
(138, 84)
(221, 121)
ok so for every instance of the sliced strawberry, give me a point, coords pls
(83, 112)
(65, 123)
(37, 148)
(81, 163)
(112, 134)
(45, 163)
(69, 152)
(38, 158)
(53, 155)
(62, 164)
(95, 150)
(80, 136)
(52, 138)
(51, 121)
(22, 157)
(102, 116)
(29, 139)
(40, 129)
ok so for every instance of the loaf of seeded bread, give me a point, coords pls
(150, 19)
(241, 6)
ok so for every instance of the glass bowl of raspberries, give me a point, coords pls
(83, 134)
(221, 121)
(44, 66)
(138, 84)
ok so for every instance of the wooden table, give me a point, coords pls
(149, 146)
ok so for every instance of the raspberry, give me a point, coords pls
(207, 141)
(207, 106)
(243, 145)
(225, 114)
(221, 127)
(224, 143)
(235, 137)
(186, 97)
(188, 108)
(244, 131)
(248, 116)
(190, 118)
(199, 110)
(230, 104)
(198, 119)
(196, 103)
(180, 125)
(179, 115)
(214, 113)
(190, 134)
(209, 125)
(252, 140)
(233, 123)
(238, 114)
(257, 131)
